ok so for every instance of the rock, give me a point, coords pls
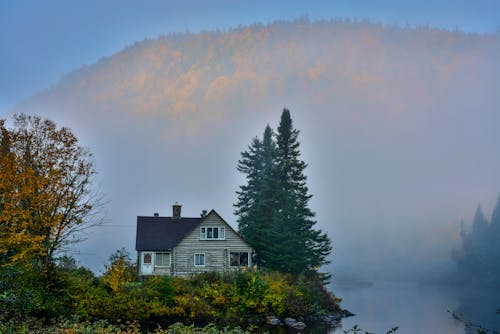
(334, 318)
(298, 325)
(273, 321)
(347, 313)
(290, 321)
(331, 319)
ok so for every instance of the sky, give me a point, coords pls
(371, 174)
(43, 40)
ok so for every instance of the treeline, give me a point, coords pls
(272, 207)
(478, 257)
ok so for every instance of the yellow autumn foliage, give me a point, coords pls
(45, 195)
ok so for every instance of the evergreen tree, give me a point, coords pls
(272, 208)
(495, 219)
(251, 165)
(295, 245)
(480, 223)
(300, 247)
(267, 198)
(478, 259)
(478, 239)
(494, 240)
(256, 198)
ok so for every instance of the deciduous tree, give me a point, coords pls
(119, 271)
(46, 191)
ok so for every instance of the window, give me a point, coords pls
(162, 260)
(199, 259)
(146, 258)
(212, 233)
(238, 259)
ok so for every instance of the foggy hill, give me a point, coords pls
(398, 128)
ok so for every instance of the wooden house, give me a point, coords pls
(181, 246)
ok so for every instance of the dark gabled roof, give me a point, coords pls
(162, 233)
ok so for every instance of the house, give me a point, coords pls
(181, 246)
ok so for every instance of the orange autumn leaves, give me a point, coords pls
(181, 85)
(45, 194)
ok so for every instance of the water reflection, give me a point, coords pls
(479, 308)
(413, 308)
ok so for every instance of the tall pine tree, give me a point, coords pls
(494, 240)
(272, 208)
(478, 258)
(495, 219)
(256, 198)
(297, 246)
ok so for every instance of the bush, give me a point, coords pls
(26, 292)
(237, 298)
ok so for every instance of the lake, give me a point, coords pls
(417, 308)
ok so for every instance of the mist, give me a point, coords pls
(398, 127)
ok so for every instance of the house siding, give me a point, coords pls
(216, 251)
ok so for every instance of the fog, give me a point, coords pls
(398, 127)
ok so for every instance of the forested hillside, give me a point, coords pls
(363, 68)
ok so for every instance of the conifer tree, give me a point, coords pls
(480, 223)
(272, 208)
(494, 240)
(495, 219)
(256, 198)
(296, 245)
(478, 259)
(478, 238)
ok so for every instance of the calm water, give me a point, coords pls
(417, 309)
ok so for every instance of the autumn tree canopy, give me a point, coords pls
(46, 193)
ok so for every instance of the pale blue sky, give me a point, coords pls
(40, 41)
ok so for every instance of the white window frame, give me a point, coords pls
(169, 259)
(239, 254)
(204, 233)
(201, 256)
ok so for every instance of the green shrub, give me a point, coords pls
(237, 298)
